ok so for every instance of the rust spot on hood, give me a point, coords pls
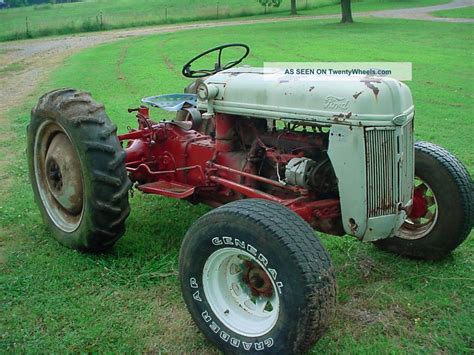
(356, 95)
(339, 118)
(369, 83)
(311, 88)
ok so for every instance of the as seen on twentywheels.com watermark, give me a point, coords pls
(342, 70)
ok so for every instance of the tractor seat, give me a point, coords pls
(171, 102)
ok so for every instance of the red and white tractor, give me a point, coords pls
(279, 157)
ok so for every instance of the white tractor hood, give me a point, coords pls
(268, 93)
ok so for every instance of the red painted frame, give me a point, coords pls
(168, 159)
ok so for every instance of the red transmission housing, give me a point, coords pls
(241, 160)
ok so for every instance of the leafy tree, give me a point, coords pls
(277, 3)
(270, 3)
(37, 2)
(16, 3)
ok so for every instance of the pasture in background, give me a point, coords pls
(96, 15)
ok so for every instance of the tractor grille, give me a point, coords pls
(389, 152)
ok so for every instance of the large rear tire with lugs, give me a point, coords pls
(77, 171)
(444, 218)
(256, 279)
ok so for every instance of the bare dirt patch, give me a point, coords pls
(120, 60)
(169, 65)
(360, 314)
(177, 330)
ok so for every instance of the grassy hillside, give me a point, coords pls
(94, 15)
(128, 300)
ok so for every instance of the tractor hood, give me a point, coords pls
(268, 93)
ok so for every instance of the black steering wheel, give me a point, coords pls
(187, 72)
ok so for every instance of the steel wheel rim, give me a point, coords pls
(413, 229)
(232, 298)
(56, 174)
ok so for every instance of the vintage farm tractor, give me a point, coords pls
(279, 157)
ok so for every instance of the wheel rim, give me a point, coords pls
(418, 227)
(58, 176)
(241, 292)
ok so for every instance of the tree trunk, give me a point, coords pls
(346, 11)
(293, 7)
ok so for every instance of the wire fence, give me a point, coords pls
(46, 20)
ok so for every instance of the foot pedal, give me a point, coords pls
(166, 188)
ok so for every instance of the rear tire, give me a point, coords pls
(77, 171)
(447, 186)
(255, 278)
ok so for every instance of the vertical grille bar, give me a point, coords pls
(390, 168)
(382, 171)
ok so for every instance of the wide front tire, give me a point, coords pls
(444, 222)
(256, 279)
(77, 171)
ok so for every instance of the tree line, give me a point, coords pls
(17, 3)
(345, 5)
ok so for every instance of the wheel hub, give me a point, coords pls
(423, 215)
(63, 174)
(241, 292)
(55, 177)
(257, 280)
(420, 204)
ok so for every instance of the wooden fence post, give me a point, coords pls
(28, 33)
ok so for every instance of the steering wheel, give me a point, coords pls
(187, 72)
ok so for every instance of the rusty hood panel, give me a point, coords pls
(320, 99)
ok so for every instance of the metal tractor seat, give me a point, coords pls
(171, 102)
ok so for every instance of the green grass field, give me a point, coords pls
(465, 12)
(94, 15)
(56, 300)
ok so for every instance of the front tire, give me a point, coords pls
(256, 279)
(77, 171)
(446, 218)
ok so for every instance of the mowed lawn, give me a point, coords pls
(94, 15)
(465, 12)
(128, 300)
